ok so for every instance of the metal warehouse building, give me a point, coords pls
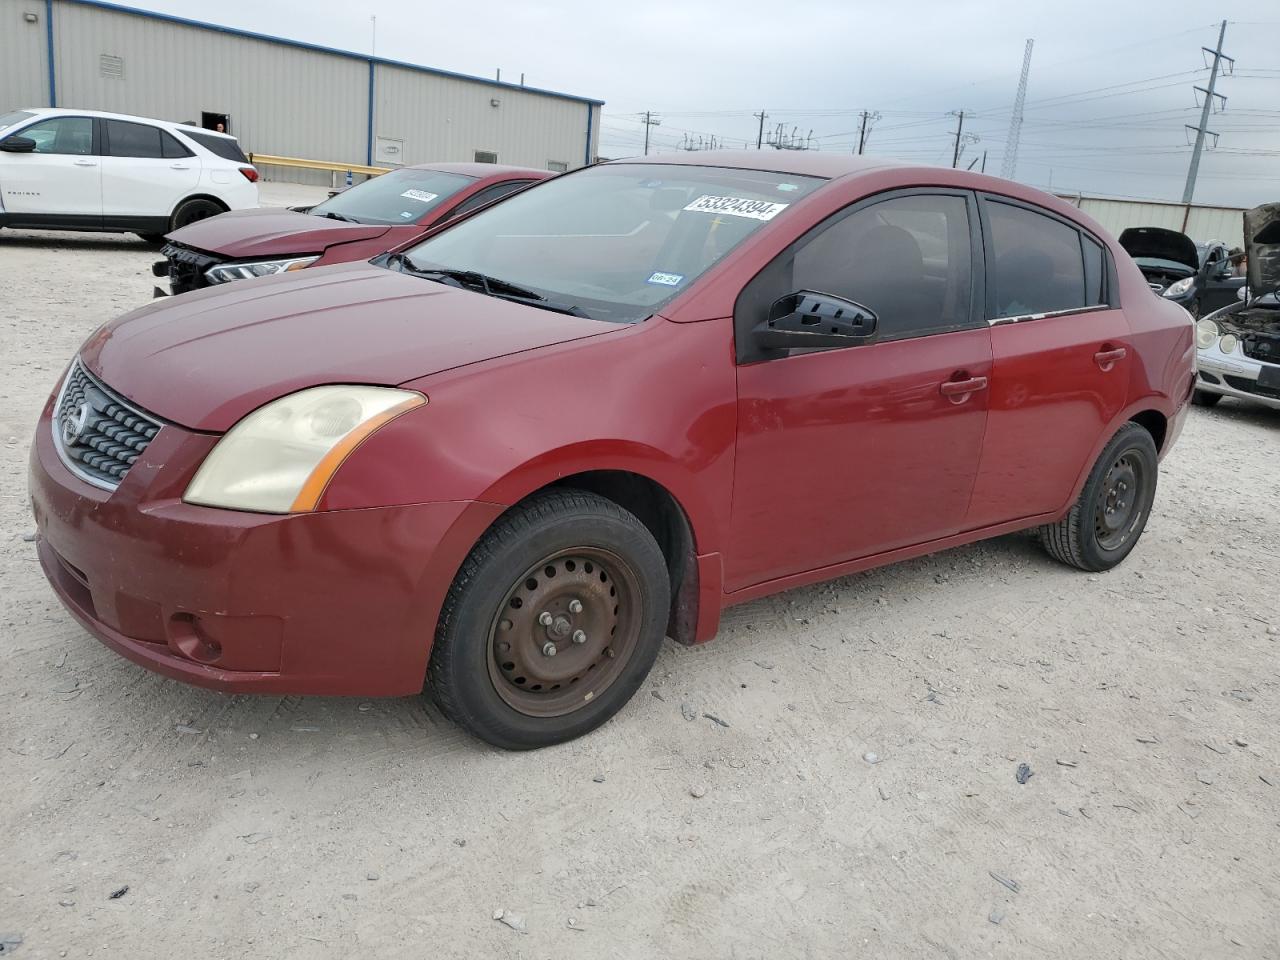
(281, 97)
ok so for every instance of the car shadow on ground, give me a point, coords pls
(57, 239)
(1243, 411)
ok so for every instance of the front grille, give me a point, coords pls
(98, 435)
(1252, 386)
(187, 267)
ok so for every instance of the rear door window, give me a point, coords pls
(125, 139)
(1038, 265)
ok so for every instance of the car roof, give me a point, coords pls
(69, 112)
(811, 163)
(482, 170)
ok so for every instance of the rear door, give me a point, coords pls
(145, 171)
(1062, 357)
(848, 452)
(62, 177)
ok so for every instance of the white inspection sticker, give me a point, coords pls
(738, 207)
(666, 279)
(420, 195)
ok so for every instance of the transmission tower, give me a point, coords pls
(1010, 163)
(1209, 98)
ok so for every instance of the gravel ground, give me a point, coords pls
(858, 799)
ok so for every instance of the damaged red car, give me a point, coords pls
(359, 223)
(507, 462)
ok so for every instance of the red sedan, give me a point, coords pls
(508, 461)
(362, 222)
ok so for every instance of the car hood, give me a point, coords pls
(1158, 243)
(1262, 247)
(265, 232)
(205, 359)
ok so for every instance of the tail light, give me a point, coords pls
(250, 174)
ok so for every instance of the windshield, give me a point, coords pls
(8, 120)
(617, 240)
(402, 196)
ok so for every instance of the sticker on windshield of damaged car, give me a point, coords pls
(738, 207)
(420, 195)
(666, 279)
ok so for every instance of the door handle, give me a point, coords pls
(86, 163)
(1107, 357)
(959, 390)
(179, 166)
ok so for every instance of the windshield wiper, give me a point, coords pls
(338, 216)
(483, 283)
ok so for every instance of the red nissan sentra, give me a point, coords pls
(511, 459)
(370, 218)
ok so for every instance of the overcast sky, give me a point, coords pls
(1110, 90)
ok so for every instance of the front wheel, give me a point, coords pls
(1106, 521)
(553, 622)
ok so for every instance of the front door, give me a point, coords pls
(145, 172)
(1062, 356)
(61, 178)
(846, 453)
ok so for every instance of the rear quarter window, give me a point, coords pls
(226, 147)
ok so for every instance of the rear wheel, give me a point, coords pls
(552, 623)
(189, 211)
(1108, 518)
(1203, 398)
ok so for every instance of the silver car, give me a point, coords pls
(1238, 347)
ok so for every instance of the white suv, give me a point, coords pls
(85, 170)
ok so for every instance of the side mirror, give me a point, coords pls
(809, 319)
(16, 144)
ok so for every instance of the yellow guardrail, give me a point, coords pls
(256, 158)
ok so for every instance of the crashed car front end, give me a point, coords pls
(1238, 347)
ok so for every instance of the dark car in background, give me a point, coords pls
(357, 224)
(1198, 277)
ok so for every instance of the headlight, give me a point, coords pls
(279, 458)
(1228, 343)
(1206, 332)
(1178, 287)
(258, 268)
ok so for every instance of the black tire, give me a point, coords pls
(1203, 398)
(189, 211)
(1107, 520)
(463, 675)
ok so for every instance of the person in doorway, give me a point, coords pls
(220, 127)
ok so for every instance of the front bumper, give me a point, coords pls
(338, 602)
(1235, 375)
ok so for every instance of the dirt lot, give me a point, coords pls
(1146, 702)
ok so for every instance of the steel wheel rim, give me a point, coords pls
(1118, 508)
(583, 603)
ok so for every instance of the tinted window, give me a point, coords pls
(126, 139)
(228, 148)
(1038, 266)
(488, 195)
(171, 148)
(402, 196)
(907, 258)
(1093, 287)
(66, 135)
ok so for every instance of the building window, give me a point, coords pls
(111, 67)
(484, 156)
(557, 166)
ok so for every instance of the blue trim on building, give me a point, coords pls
(284, 41)
(590, 110)
(368, 158)
(48, 32)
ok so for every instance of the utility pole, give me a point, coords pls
(984, 162)
(1202, 129)
(760, 136)
(955, 156)
(649, 121)
(862, 130)
(1010, 163)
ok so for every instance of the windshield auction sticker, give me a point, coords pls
(738, 207)
(421, 195)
